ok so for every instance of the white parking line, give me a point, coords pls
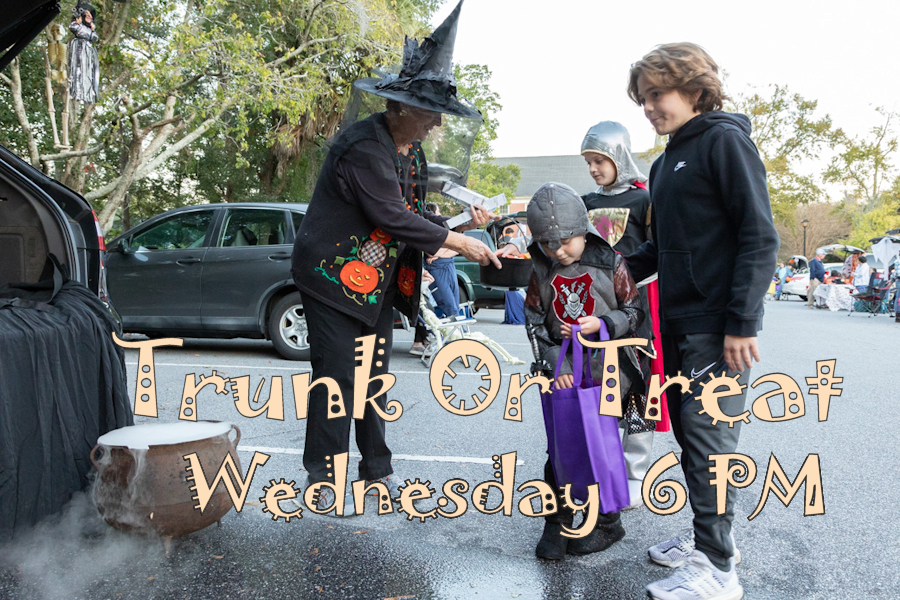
(226, 368)
(416, 457)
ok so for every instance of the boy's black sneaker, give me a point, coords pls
(552, 545)
(601, 538)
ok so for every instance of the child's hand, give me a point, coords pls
(588, 325)
(739, 351)
(565, 381)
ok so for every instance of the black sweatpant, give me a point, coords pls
(700, 356)
(332, 341)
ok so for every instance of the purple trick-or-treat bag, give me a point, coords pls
(584, 446)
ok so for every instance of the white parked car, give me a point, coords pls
(799, 283)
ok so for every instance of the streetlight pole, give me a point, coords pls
(804, 223)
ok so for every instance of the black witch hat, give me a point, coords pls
(426, 76)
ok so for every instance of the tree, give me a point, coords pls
(485, 177)
(827, 225)
(786, 132)
(250, 74)
(864, 166)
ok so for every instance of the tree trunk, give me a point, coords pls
(19, 107)
(116, 198)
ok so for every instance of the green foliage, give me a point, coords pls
(864, 164)
(490, 179)
(786, 131)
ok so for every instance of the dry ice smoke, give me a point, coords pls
(66, 556)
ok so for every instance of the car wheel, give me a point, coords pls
(464, 296)
(287, 328)
(803, 298)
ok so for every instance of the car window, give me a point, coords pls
(179, 232)
(297, 218)
(482, 235)
(253, 227)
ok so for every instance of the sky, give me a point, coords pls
(562, 66)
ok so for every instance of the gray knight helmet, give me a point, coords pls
(556, 212)
(611, 139)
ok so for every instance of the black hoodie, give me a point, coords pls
(714, 243)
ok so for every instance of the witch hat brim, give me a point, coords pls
(426, 76)
(420, 98)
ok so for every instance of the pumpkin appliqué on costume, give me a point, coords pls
(406, 281)
(360, 273)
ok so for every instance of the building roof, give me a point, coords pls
(570, 169)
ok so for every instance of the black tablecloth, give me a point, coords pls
(62, 385)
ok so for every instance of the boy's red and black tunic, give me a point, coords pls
(366, 226)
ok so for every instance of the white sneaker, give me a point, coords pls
(698, 579)
(675, 552)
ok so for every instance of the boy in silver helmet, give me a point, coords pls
(577, 279)
(620, 210)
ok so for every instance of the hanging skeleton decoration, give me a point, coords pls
(56, 54)
(84, 66)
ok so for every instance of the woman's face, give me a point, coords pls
(411, 124)
(422, 121)
(88, 17)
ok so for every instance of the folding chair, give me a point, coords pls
(458, 327)
(874, 300)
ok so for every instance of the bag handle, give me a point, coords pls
(581, 368)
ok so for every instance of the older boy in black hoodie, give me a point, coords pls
(714, 246)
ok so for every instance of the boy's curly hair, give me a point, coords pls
(684, 67)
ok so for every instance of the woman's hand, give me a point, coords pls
(480, 216)
(739, 351)
(473, 249)
(588, 325)
(426, 276)
(565, 381)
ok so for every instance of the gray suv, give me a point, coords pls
(213, 270)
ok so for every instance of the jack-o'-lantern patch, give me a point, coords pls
(359, 269)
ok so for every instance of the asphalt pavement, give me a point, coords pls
(848, 552)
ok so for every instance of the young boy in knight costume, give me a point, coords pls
(714, 246)
(576, 273)
(620, 211)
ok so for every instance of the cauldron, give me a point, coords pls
(142, 482)
(516, 273)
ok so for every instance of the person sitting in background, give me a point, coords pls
(861, 275)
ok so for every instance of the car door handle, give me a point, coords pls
(187, 261)
(281, 256)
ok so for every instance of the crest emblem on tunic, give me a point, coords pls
(610, 223)
(573, 297)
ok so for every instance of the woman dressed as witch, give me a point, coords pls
(84, 66)
(358, 252)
